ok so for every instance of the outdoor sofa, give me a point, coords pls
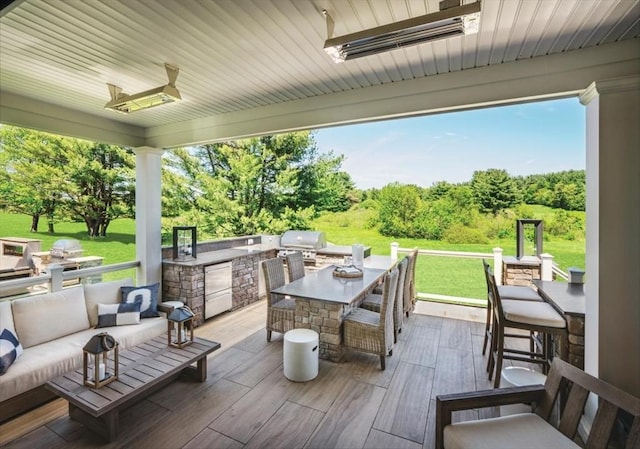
(52, 329)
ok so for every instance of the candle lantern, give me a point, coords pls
(180, 327)
(100, 360)
(184, 242)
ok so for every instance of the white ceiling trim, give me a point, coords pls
(554, 75)
(546, 76)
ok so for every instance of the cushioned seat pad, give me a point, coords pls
(45, 361)
(372, 302)
(518, 292)
(530, 312)
(526, 430)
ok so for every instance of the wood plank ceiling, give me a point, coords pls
(237, 55)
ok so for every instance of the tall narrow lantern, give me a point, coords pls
(180, 327)
(184, 242)
(100, 360)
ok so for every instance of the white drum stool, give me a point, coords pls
(300, 355)
(517, 376)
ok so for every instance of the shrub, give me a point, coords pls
(458, 233)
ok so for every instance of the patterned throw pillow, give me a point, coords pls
(147, 295)
(10, 350)
(118, 314)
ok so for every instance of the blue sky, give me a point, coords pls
(523, 139)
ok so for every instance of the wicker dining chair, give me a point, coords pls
(280, 309)
(373, 301)
(295, 265)
(539, 317)
(410, 284)
(372, 332)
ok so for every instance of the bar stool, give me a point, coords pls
(534, 316)
(514, 292)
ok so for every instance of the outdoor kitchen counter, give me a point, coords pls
(188, 280)
(218, 256)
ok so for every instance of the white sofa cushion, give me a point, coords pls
(38, 319)
(41, 363)
(526, 430)
(103, 293)
(6, 316)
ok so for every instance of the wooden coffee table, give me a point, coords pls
(143, 369)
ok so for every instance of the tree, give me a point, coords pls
(263, 184)
(61, 177)
(400, 205)
(101, 183)
(494, 190)
(33, 173)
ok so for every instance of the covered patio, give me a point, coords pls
(252, 68)
(247, 402)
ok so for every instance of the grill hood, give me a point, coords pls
(304, 239)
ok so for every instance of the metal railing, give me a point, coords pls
(54, 278)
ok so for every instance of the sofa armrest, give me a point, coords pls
(449, 403)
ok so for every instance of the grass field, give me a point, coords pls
(118, 246)
(443, 275)
(438, 275)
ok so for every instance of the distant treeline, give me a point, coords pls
(479, 210)
(260, 185)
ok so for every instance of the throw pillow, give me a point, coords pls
(10, 350)
(147, 295)
(118, 314)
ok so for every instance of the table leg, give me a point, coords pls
(106, 425)
(199, 372)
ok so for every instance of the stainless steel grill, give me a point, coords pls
(65, 249)
(308, 242)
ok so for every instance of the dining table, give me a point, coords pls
(569, 300)
(324, 299)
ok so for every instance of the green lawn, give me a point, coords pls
(439, 275)
(118, 246)
(449, 276)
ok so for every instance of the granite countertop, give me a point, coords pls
(220, 256)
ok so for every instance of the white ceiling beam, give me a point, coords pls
(30, 113)
(542, 77)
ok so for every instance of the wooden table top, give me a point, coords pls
(141, 368)
(322, 285)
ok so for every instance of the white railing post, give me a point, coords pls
(394, 250)
(497, 265)
(55, 270)
(546, 270)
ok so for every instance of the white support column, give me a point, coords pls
(612, 288)
(497, 265)
(546, 268)
(148, 214)
(394, 250)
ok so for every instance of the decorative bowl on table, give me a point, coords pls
(347, 271)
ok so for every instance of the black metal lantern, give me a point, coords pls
(184, 242)
(100, 360)
(180, 327)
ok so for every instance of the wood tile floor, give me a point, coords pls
(247, 402)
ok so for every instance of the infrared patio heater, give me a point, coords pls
(451, 20)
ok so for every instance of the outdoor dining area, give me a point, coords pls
(389, 373)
